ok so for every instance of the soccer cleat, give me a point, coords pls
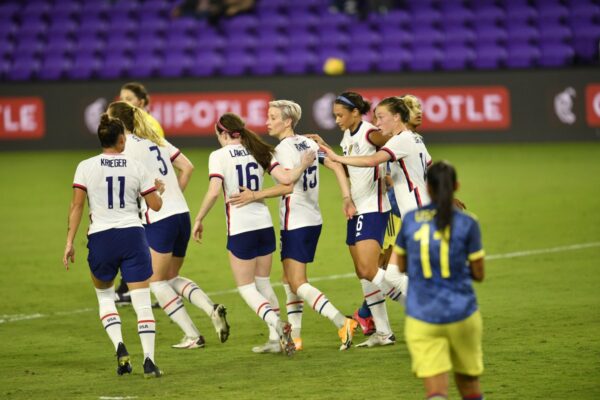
(123, 362)
(151, 370)
(272, 346)
(378, 339)
(298, 344)
(346, 333)
(284, 329)
(190, 343)
(219, 320)
(122, 299)
(367, 325)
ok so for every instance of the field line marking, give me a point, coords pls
(117, 397)
(5, 318)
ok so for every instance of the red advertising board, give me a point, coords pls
(22, 118)
(455, 108)
(195, 114)
(592, 104)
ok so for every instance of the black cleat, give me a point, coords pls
(123, 362)
(151, 370)
(219, 320)
(122, 299)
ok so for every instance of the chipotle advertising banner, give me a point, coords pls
(459, 107)
(22, 118)
(454, 108)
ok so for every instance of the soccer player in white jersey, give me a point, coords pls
(168, 231)
(408, 150)
(241, 162)
(366, 229)
(300, 222)
(112, 183)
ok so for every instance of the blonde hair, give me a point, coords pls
(135, 120)
(289, 110)
(412, 103)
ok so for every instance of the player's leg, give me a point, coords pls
(467, 355)
(436, 387)
(294, 306)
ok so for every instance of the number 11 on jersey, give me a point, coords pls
(422, 236)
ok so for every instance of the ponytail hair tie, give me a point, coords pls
(234, 135)
(220, 125)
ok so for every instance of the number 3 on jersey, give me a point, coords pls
(422, 236)
(163, 170)
(109, 182)
(249, 179)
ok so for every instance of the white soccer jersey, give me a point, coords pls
(113, 183)
(409, 152)
(366, 184)
(301, 207)
(157, 161)
(237, 167)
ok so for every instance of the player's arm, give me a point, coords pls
(477, 269)
(290, 176)
(214, 189)
(359, 161)
(338, 169)
(152, 196)
(247, 196)
(377, 138)
(75, 212)
(185, 167)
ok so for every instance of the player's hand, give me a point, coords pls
(160, 185)
(197, 231)
(349, 208)
(459, 204)
(389, 183)
(245, 196)
(308, 158)
(329, 153)
(68, 255)
(317, 139)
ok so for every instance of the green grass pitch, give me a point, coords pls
(541, 310)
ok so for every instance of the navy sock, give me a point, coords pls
(364, 311)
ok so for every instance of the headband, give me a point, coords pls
(346, 100)
(234, 135)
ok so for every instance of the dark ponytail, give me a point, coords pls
(396, 105)
(234, 126)
(109, 130)
(441, 181)
(352, 100)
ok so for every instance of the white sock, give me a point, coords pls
(172, 304)
(398, 280)
(259, 304)
(140, 299)
(385, 286)
(263, 285)
(294, 306)
(321, 304)
(376, 303)
(190, 290)
(109, 316)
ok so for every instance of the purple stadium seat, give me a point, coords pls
(237, 63)
(364, 36)
(59, 45)
(180, 42)
(521, 13)
(24, 68)
(84, 66)
(362, 59)
(426, 17)
(118, 43)
(303, 21)
(489, 14)
(337, 21)
(274, 22)
(395, 36)
(303, 39)
(206, 63)
(394, 18)
(457, 15)
(556, 55)
(552, 13)
(394, 59)
(489, 56)
(457, 57)
(239, 41)
(300, 61)
(179, 64)
(458, 34)
(585, 42)
(115, 65)
(490, 34)
(146, 64)
(268, 63)
(89, 43)
(54, 67)
(425, 58)
(272, 39)
(210, 40)
(522, 55)
(333, 37)
(522, 33)
(425, 35)
(555, 32)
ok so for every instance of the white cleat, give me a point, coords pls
(378, 339)
(219, 320)
(189, 343)
(272, 346)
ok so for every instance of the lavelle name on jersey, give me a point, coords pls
(238, 152)
(116, 162)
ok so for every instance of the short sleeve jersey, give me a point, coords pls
(367, 185)
(440, 287)
(113, 184)
(301, 207)
(410, 154)
(157, 161)
(236, 167)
